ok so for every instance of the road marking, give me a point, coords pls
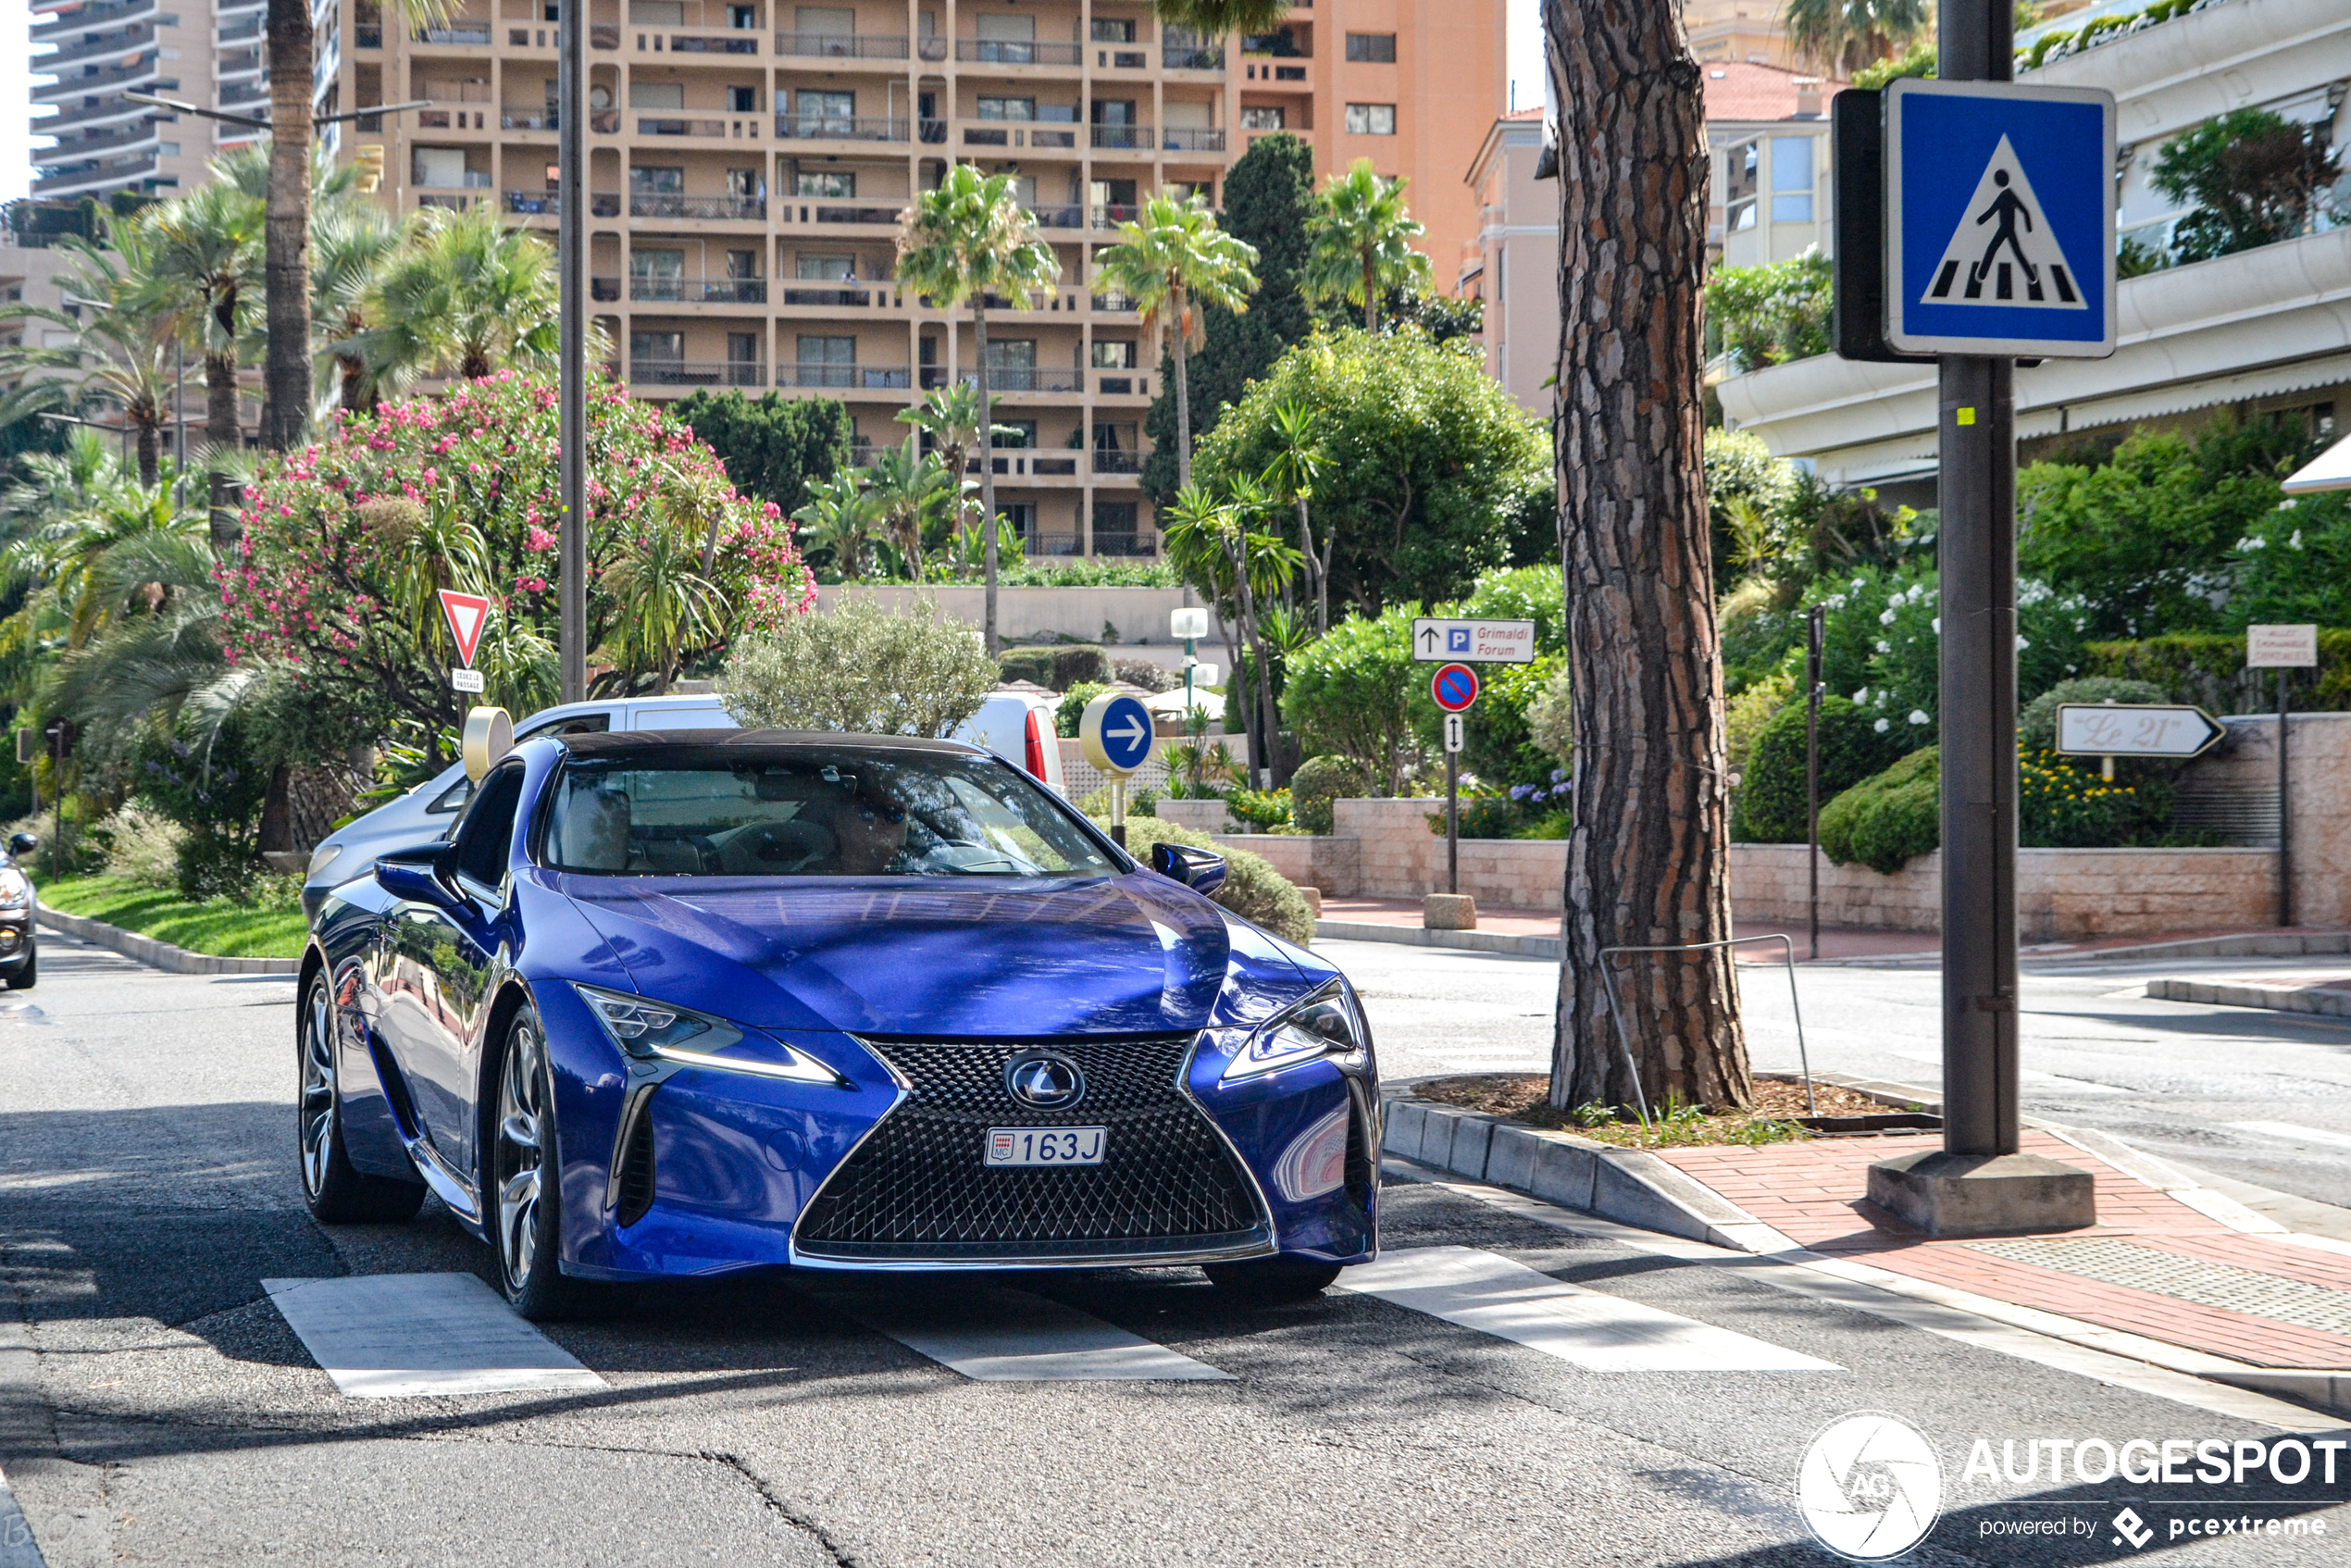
(17, 1548)
(2297, 1133)
(997, 1335)
(1494, 1295)
(402, 1336)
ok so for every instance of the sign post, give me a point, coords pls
(1115, 734)
(1815, 636)
(1190, 623)
(1998, 242)
(2283, 648)
(1454, 688)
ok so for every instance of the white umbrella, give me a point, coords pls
(2330, 469)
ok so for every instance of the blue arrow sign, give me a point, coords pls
(1126, 733)
(1999, 206)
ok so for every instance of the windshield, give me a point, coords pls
(812, 812)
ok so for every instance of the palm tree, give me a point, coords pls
(1299, 458)
(949, 417)
(1847, 34)
(119, 344)
(666, 605)
(971, 239)
(463, 297)
(1209, 540)
(1172, 257)
(1361, 249)
(291, 42)
(839, 516)
(351, 246)
(1214, 19)
(207, 247)
(912, 488)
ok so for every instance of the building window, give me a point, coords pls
(1371, 119)
(645, 180)
(1114, 356)
(743, 18)
(827, 350)
(168, 149)
(827, 268)
(742, 348)
(1791, 179)
(670, 346)
(742, 100)
(827, 112)
(1008, 108)
(1114, 530)
(1107, 30)
(1261, 117)
(1378, 48)
(824, 183)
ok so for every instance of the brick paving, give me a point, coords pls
(1814, 1193)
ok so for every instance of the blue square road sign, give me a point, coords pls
(1999, 208)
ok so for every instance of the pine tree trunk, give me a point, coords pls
(285, 404)
(1646, 861)
(987, 473)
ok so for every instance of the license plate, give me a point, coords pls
(1044, 1145)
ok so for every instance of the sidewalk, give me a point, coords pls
(2182, 1266)
(2327, 995)
(1384, 919)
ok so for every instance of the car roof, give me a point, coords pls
(614, 743)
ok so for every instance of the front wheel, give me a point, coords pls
(337, 1191)
(528, 1202)
(23, 980)
(1271, 1281)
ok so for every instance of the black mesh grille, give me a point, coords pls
(917, 1188)
(636, 1171)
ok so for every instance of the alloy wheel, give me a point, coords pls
(318, 1088)
(521, 1156)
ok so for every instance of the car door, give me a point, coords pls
(439, 966)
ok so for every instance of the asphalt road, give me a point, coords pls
(155, 1408)
(2246, 1095)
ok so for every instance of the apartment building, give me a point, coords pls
(748, 163)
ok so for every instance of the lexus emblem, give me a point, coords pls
(1044, 1080)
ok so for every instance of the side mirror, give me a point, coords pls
(1201, 870)
(415, 878)
(22, 844)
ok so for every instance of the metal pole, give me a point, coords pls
(1452, 821)
(1815, 627)
(571, 124)
(2285, 816)
(1975, 42)
(1118, 810)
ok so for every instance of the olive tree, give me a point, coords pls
(863, 669)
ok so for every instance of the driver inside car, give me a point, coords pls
(869, 831)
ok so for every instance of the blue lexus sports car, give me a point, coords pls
(691, 1003)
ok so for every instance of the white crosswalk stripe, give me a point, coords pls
(999, 1334)
(395, 1335)
(1495, 1295)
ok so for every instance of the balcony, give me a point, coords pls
(1193, 57)
(96, 82)
(672, 126)
(136, 36)
(833, 295)
(845, 127)
(113, 140)
(698, 290)
(237, 63)
(696, 373)
(1113, 305)
(604, 290)
(1112, 460)
(534, 203)
(244, 92)
(88, 18)
(94, 176)
(529, 119)
(845, 378)
(1031, 379)
(450, 201)
(842, 46)
(105, 112)
(460, 33)
(811, 213)
(1192, 138)
(1069, 215)
(705, 43)
(238, 31)
(1110, 215)
(659, 204)
(603, 121)
(1017, 52)
(1122, 138)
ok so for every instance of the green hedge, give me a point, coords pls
(2208, 669)
(1253, 889)
(1318, 782)
(1770, 808)
(1889, 817)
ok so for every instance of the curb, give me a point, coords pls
(2327, 1003)
(1414, 936)
(160, 954)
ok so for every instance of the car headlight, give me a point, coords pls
(321, 858)
(16, 888)
(1326, 1024)
(661, 1031)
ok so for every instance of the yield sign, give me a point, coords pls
(467, 614)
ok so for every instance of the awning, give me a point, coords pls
(2330, 469)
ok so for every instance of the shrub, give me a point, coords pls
(142, 846)
(2037, 725)
(772, 446)
(1253, 889)
(2294, 564)
(1318, 782)
(2253, 176)
(2061, 805)
(1888, 818)
(1261, 811)
(1773, 313)
(2208, 669)
(1550, 719)
(1770, 806)
(1032, 664)
(1079, 662)
(1149, 675)
(1349, 692)
(1072, 712)
(1746, 715)
(1484, 816)
(861, 669)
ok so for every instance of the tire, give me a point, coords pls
(525, 1211)
(24, 978)
(1272, 1281)
(336, 1192)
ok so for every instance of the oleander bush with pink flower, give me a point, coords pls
(348, 541)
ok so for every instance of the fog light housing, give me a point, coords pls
(11, 940)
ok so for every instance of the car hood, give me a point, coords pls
(1126, 955)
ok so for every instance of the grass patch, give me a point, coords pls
(219, 926)
(1525, 1097)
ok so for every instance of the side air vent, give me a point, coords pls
(637, 1172)
(403, 1109)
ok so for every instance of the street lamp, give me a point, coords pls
(179, 108)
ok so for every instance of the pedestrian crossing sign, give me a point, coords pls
(1999, 205)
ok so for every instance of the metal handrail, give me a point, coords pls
(1608, 984)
